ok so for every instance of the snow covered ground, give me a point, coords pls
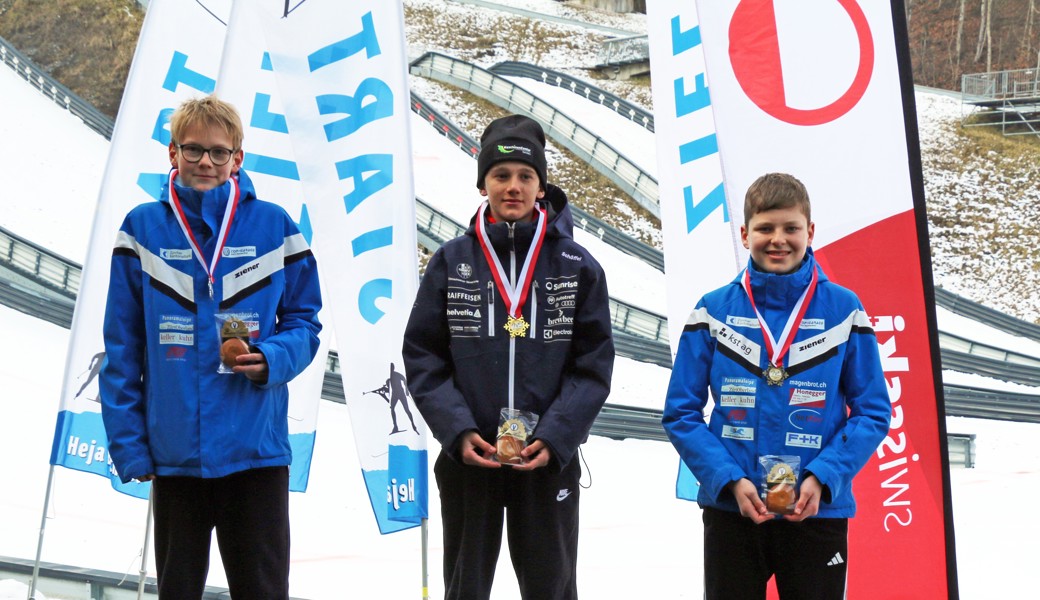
(637, 540)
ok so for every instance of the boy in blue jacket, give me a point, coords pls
(800, 404)
(212, 310)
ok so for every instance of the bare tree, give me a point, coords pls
(960, 35)
(989, 35)
(980, 45)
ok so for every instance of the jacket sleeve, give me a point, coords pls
(686, 398)
(870, 410)
(121, 380)
(428, 362)
(295, 341)
(586, 378)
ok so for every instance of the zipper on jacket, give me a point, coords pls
(511, 227)
(534, 308)
(491, 309)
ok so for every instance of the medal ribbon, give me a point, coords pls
(778, 348)
(514, 296)
(225, 227)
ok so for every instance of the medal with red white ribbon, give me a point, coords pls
(775, 374)
(225, 227)
(514, 294)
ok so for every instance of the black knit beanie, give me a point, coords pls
(514, 138)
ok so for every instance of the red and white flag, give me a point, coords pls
(820, 89)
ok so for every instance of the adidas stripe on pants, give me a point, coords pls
(808, 558)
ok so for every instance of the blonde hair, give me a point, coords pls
(776, 190)
(209, 112)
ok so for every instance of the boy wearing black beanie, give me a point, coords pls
(509, 354)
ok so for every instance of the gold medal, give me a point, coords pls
(781, 473)
(516, 326)
(774, 375)
(234, 328)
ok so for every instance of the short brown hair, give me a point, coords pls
(208, 112)
(776, 190)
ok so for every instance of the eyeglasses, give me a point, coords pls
(193, 153)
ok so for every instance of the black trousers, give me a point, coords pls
(540, 509)
(250, 511)
(808, 558)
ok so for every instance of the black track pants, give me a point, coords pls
(250, 511)
(809, 558)
(540, 510)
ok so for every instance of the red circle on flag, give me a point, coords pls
(754, 51)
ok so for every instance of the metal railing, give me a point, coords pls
(960, 400)
(61, 276)
(949, 341)
(1000, 85)
(582, 219)
(56, 272)
(564, 130)
(48, 86)
(633, 112)
(624, 51)
(986, 315)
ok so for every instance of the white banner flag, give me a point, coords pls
(168, 67)
(822, 89)
(342, 83)
(247, 82)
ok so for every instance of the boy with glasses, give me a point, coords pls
(212, 310)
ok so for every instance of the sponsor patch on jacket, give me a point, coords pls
(801, 397)
(570, 256)
(737, 400)
(738, 388)
(172, 337)
(812, 324)
(176, 323)
(175, 253)
(738, 433)
(803, 440)
(804, 417)
(229, 252)
(741, 321)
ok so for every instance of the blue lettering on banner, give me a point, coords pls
(685, 104)
(381, 169)
(269, 165)
(369, 293)
(263, 118)
(372, 100)
(161, 132)
(180, 73)
(380, 238)
(365, 40)
(304, 224)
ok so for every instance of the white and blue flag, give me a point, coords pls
(342, 87)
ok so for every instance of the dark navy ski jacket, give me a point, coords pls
(456, 350)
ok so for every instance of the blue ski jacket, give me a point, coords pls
(166, 409)
(831, 412)
(457, 353)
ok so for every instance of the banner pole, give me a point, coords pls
(43, 526)
(143, 571)
(425, 556)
